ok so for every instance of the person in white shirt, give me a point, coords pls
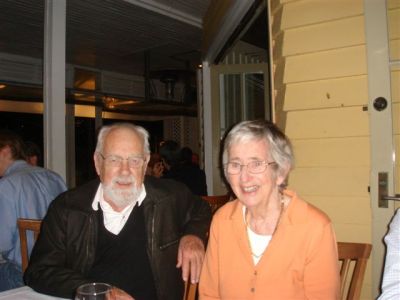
(391, 273)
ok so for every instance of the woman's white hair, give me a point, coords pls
(280, 148)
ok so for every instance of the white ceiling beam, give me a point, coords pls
(168, 11)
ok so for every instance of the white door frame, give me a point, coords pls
(380, 128)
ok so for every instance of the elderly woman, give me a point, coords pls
(268, 243)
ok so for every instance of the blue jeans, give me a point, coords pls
(10, 276)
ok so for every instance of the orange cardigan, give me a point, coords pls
(300, 262)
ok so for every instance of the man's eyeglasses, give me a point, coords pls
(134, 162)
(253, 167)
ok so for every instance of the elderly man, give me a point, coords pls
(25, 192)
(131, 232)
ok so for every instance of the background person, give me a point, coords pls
(32, 153)
(25, 192)
(179, 166)
(125, 230)
(391, 273)
(268, 243)
(155, 166)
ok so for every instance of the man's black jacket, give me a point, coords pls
(65, 249)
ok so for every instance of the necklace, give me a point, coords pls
(260, 240)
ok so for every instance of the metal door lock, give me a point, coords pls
(380, 103)
(383, 196)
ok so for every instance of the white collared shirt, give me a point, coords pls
(114, 221)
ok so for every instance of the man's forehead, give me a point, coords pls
(123, 136)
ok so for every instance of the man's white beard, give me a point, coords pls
(122, 197)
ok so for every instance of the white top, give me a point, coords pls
(391, 274)
(258, 242)
(114, 221)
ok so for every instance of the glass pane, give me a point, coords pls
(254, 101)
(230, 100)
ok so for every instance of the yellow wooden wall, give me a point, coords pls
(320, 84)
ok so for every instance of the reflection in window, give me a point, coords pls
(242, 98)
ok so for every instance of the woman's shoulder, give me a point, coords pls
(227, 211)
(303, 211)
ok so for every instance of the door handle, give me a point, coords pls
(395, 197)
(383, 196)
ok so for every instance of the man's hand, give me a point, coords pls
(190, 257)
(118, 294)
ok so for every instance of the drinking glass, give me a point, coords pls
(93, 291)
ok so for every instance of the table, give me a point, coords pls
(25, 293)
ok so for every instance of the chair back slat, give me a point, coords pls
(190, 291)
(217, 201)
(25, 225)
(354, 259)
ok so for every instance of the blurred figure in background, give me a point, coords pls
(25, 192)
(33, 153)
(191, 172)
(179, 166)
(155, 167)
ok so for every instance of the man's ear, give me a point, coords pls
(97, 163)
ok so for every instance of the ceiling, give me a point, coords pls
(115, 35)
(111, 34)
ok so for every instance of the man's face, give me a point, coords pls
(121, 179)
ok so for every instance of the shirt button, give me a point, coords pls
(252, 290)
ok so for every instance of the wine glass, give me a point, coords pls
(93, 291)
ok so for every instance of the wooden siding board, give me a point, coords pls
(333, 182)
(324, 36)
(343, 62)
(307, 12)
(353, 233)
(391, 4)
(344, 152)
(339, 122)
(395, 85)
(394, 46)
(394, 23)
(341, 92)
(396, 118)
(354, 210)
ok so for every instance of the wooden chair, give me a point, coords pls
(216, 202)
(190, 291)
(353, 258)
(25, 225)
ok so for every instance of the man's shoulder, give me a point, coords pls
(163, 186)
(80, 197)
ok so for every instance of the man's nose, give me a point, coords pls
(124, 167)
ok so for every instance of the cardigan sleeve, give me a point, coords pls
(209, 280)
(321, 273)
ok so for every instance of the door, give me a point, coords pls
(383, 88)
(238, 92)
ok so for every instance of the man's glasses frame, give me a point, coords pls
(134, 162)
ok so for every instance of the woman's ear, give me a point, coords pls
(282, 175)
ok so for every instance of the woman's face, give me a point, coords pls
(253, 190)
